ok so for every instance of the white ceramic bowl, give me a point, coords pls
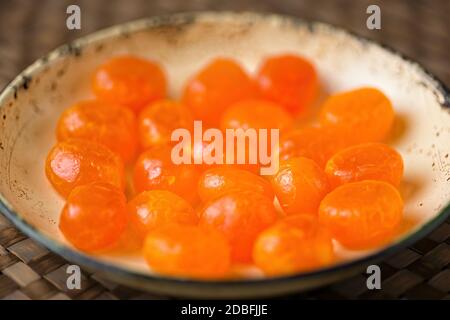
(31, 104)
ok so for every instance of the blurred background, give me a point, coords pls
(418, 28)
(31, 28)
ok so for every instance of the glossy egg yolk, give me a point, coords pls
(288, 80)
(151, 209)
(94, 216)
(154, 169)
(130, 81)
(187, 251)
(214, 88)
(77, 162)
(103, 122)
(240, 216)
(366, 112)
(296, 243)
(300, 185)
(369, 161)
(362, 215)
(221, 180)
(158, 120)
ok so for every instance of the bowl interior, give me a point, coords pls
(31, 105)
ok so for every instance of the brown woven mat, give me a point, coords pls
(29, 29)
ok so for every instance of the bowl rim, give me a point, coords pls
(72, 255)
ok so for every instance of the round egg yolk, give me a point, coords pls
(362, 215)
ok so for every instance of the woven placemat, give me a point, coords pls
(29, 29)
